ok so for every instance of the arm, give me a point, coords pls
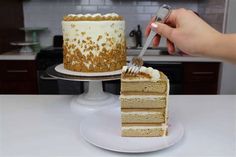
(223, 48)
(192, 35)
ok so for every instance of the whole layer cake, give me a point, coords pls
(144, 103)
(93, 43)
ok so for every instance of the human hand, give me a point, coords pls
(185, 30)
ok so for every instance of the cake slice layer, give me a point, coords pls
(142, 116)
(142, 101)
(145, 130)
(159, 87)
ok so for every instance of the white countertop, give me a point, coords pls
(17, 56)
(45, 126)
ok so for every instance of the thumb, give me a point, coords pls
(163, 30)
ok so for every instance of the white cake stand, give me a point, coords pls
(94, 98)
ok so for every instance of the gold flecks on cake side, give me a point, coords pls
(93, 45)
(106, 60)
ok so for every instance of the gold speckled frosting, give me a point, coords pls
(94, 45)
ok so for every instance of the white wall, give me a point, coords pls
(228, 80)
(49, 13)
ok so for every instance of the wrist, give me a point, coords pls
(214, 45)
(226, 48)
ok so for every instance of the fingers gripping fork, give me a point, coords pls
(136, 63)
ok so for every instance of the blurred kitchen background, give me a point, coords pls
(31, 41)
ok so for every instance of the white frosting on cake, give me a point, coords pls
(124, 69)
(167, 104)
(142, 96)
(79, 31)
(154, 73)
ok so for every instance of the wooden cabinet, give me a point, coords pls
(11, 15)
(201, 78)
(18, 77)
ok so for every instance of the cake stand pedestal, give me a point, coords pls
(25, 47)
(94, 98)
(34, 32)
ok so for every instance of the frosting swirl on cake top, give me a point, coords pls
(93, 17)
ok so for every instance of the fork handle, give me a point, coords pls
(162, 15)
(147, 43)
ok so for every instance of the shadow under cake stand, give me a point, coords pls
(95, 98)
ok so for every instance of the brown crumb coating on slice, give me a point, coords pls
(127, 76)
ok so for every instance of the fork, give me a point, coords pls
(136, 63)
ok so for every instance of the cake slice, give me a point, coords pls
(144, 130)
(144, 103)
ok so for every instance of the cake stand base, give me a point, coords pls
(93, 100)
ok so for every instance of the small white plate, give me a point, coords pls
(60, 68)
(103, 129)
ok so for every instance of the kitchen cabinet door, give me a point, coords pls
(201, 78)
(18, 77)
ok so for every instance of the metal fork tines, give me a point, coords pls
(136, 63)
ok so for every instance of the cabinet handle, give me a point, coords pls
(17, 71)
(202, 73)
